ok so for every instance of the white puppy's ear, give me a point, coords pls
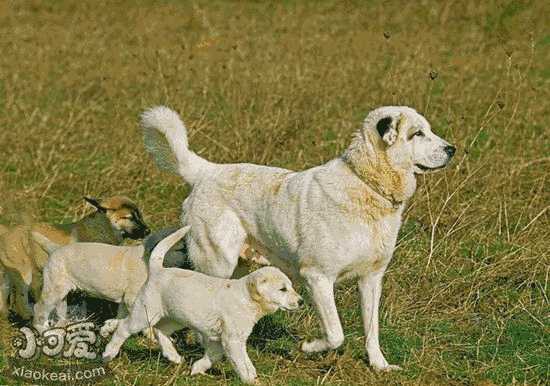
(387, 128)
(253, 283)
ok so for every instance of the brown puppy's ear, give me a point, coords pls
(387, 129)
(95, 203)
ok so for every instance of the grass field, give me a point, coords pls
(465, 299)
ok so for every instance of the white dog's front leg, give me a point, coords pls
(370, 287)
(235, 350)
(322, 290)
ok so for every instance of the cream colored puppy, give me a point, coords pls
(223, 311)
(334, 221)
(110, 272)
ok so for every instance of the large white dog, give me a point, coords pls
(331, 222)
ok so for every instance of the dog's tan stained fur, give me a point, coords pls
(370, 162)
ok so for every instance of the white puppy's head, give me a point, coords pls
(406, 138)
(271, 289)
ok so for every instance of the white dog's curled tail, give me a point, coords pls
(157, 255)
(165, 138)
(44, 242)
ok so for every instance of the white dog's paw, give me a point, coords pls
(108, 327)
(316, 345)
(108, 356)
(250, 378)
(379, 363)
(173, 357)
(386, 368)
(200, 366)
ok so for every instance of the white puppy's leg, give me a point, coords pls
(61, 311)
(163, 330)
(370, 288)
(54, 292)
(235, 351)
(111, 325)
(108, 327)
(213, 352)
(322, 290)
(141, 317)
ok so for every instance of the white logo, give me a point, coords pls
(75, 340)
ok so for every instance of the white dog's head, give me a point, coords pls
(394, 144)
(408, 140)
(271, 289)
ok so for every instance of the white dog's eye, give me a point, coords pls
(419, 133)
(283, 289)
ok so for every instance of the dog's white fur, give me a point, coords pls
(334, 221)
(222, 311)
(114, 273)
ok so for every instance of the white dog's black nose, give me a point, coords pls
(450, 150)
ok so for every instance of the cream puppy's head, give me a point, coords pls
(407, 139)
(271, 289)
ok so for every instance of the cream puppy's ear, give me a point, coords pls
(252, 284)
(388, 128)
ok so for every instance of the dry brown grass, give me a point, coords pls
(466, 297)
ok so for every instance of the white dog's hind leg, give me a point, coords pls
(370, 287)
(322, 290)
(213, 352)
(224, 240)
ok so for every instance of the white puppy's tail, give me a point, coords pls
(165, 138)
(157, 256)
(47, 245)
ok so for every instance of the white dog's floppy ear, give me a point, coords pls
(387, 129)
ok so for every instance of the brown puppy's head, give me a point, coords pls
(123, 214)
(271, 289)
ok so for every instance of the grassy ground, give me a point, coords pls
(466, 298)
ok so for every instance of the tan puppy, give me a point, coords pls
(22, 259)
(223, 311)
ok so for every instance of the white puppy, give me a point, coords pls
(222, 311)
(334, 221)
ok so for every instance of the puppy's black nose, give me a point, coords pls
(450, 150)
(301, 302)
